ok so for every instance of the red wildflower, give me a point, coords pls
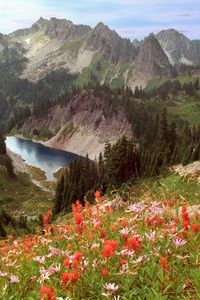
(70, 277)
(77, 207)
(47, 217)
(108, 251)
(113, 244)
(184, 208)
(102, 234)
(123, 222)
(78, 219)
(88, 209)
(185, 216)
(176, 220)
(98, 197)
(104, 272)
(78, 256)
(133, 244)
(109, 248)
(185, 234)
(122, 262)
(164, 264)
(156, 221)
(47, 293)
(186, 224)
(67, 262)
(195, 227)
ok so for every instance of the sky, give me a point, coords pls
(130, 18)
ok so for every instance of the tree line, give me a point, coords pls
(119, 163)
(5, 159)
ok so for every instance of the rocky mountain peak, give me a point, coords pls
(152, 60)
(39, 24)
(62, 29)
(177, 46)
(110, 45)
(101, 27)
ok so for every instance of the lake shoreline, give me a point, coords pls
(31, 154)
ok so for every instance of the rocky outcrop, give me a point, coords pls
(2, 43)
(83, 126)
(179, 48)
(196, 52)
(111, 46)
(65, 30)
(50, 45)
(190, 172)
(152, 60)
(150, 63)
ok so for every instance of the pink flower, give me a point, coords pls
(14, 279)
(151, 236)
(178, 242)
(39, 259)
(110, 288)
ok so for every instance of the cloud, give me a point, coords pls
(133, 18)
(185, 15)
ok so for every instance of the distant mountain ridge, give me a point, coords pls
(99, 53)
(179, 48)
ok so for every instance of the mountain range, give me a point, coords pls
(98, 53)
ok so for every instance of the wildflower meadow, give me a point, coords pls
(112, 250)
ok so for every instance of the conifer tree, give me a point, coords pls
(2, 145)
(9, 167)
(59, 195)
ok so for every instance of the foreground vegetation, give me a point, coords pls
(19, 195)
(114, 250)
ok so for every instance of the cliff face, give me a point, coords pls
(99, 54)
(65, 30)
(151, 62)
(179, 48)
(85, 125)
(111, 46)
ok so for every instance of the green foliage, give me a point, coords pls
(2, 145)
(9, 167)
(80, 177)
(122, 162)
(83, 176)
(21, 194)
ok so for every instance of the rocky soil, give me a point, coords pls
(189, 172)
(83, 126)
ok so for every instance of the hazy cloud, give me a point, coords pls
(131, 18)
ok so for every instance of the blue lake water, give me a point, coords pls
(38, 155)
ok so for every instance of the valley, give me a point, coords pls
(99, 163)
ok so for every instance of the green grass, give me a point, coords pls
(131, 250)
(188, 109)
(107, 72)
(171, 186)
(72, 46)
(180, 106)
(20, 195)
(157, 82)
(86, 75)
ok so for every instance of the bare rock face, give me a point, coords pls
(179, 48)
(190, 172)
(152, 60)
(85, 125)
(2, 42)
(111, 45)
(196, 51)
(64, 29)
(50, 45)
